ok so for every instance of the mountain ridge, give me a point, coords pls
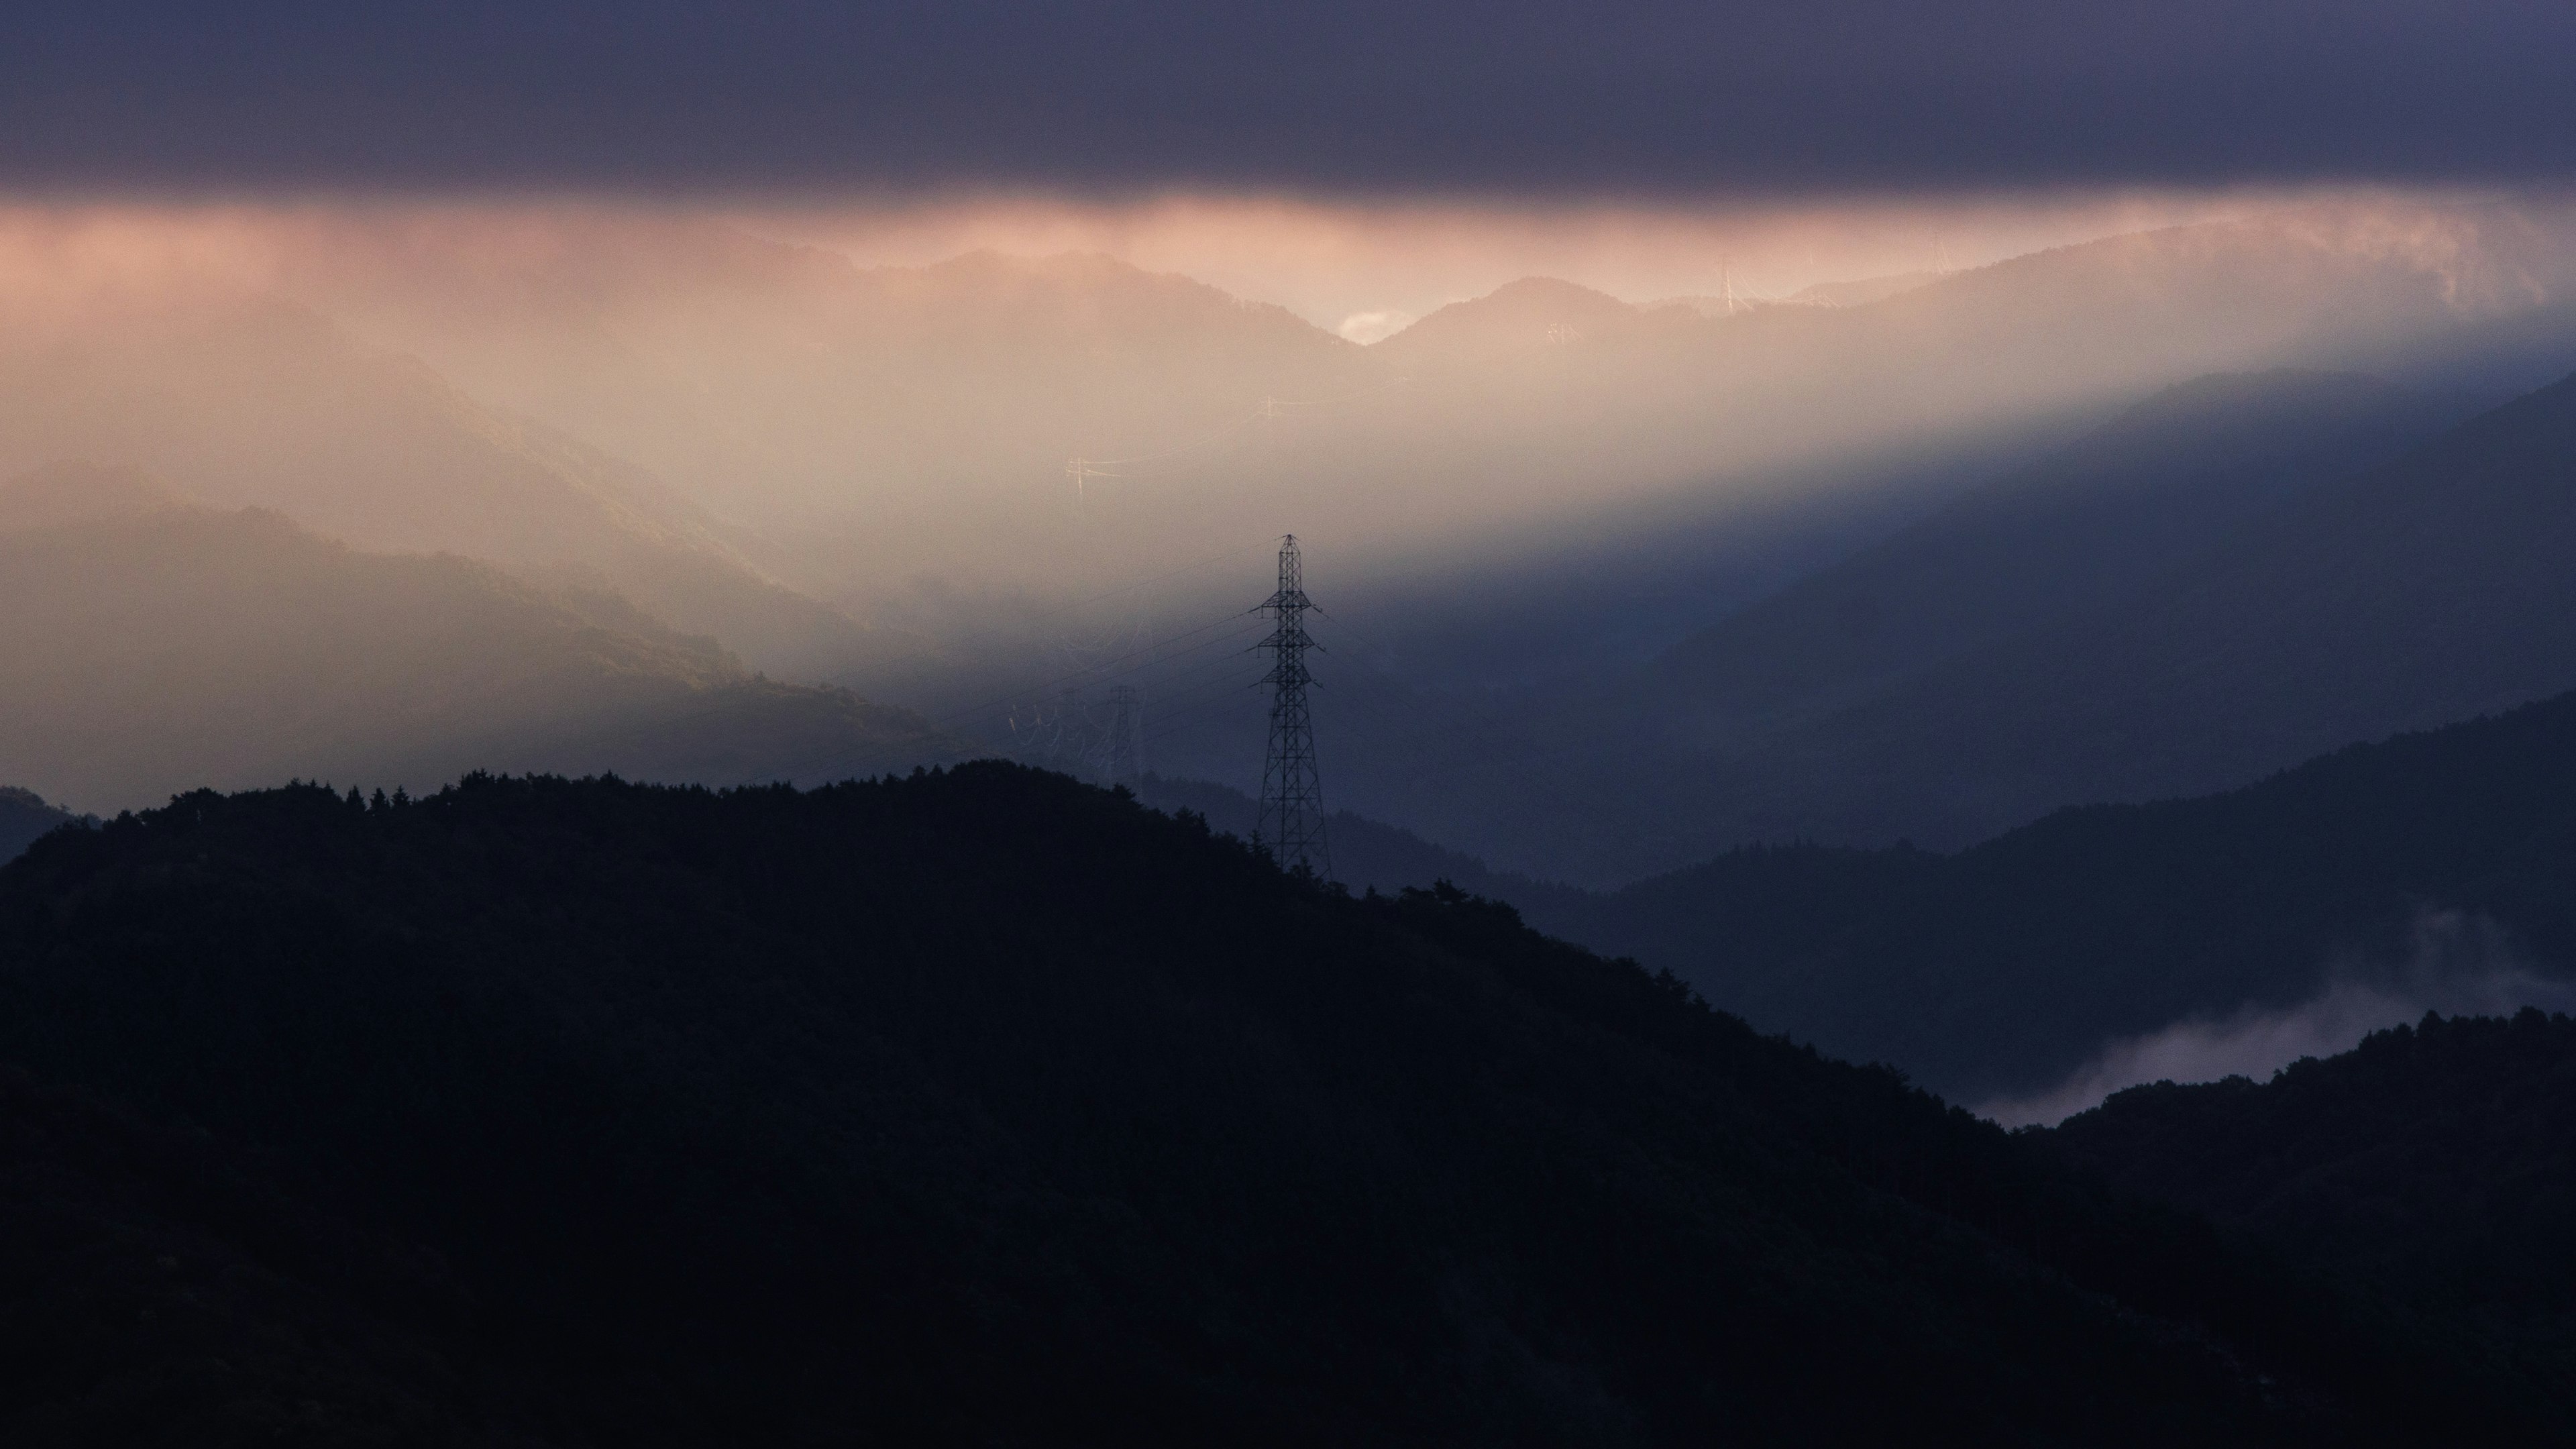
(2003, 968)
(187, 645)
(670, 1080)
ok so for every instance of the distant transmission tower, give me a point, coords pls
(1126, 723)
(1292, 793)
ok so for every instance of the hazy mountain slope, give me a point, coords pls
(782, 379)
(185, 647)
(1718, 741)
(1522, 649)
(1559, 375)
(2433, 588)
(244, 402)
(917, 421)
(983, 1106)
(1861, 291)
(2003, 968)
(2431, 1160)
(2174, 477)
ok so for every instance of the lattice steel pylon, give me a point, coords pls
(1291, 824)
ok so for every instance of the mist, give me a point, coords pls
(2460, 964)
(988, 458)
(895, 419)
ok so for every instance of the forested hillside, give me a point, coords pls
(2001, 968)
(982, 1106)
(2432, 1160)
(1774, 722)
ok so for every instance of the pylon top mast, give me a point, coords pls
(1291, 824)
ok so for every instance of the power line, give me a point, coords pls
(1570, 790)
(1096, 670)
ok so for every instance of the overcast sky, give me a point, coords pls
(1657, 100)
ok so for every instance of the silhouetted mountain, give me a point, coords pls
(2431, 1160)
(2003, 968)
(182, 646)
(985, 1107)
(1529, 319)
(24, 816)
(246, 402)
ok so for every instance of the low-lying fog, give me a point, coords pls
(2461, 965)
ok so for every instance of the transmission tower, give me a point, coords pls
(1126, 724)
(1292, 793)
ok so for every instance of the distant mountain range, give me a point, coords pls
(897, 425)
(183, 646)
(2173, 478)
(250, 402)
(2002, 969)
(2432, 588)
(1744, 730)
(1743, 577)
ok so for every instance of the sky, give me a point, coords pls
(1361, 164)
(1644, 100)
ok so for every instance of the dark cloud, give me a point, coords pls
(1467, 95)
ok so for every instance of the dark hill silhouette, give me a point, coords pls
(2431, 1160)
(984, 1106)
(2004, 967)
(158, 1288)
(184, 645)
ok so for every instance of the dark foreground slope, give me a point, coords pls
(2002, 968)
(983, 1106)
(2432, 1160)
